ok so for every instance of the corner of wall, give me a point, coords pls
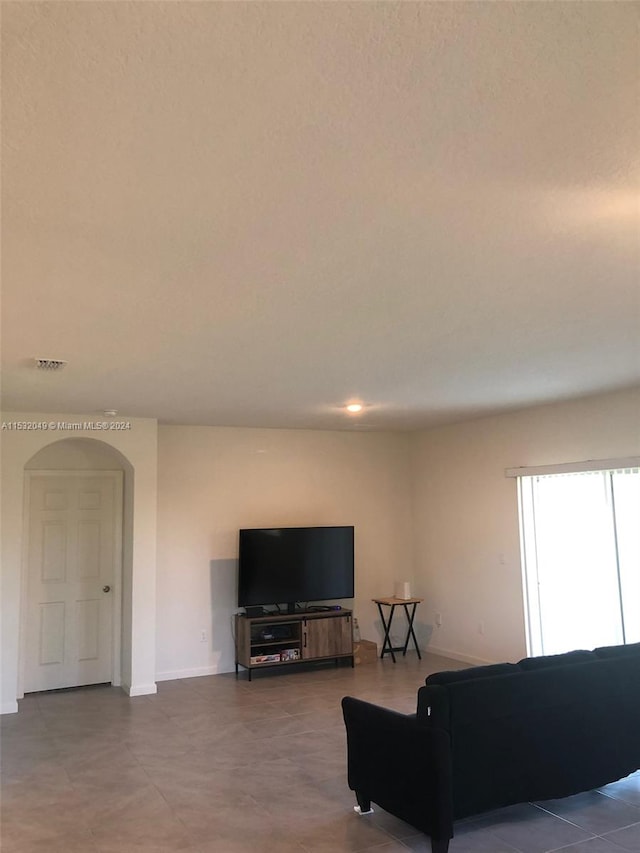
(140, 689)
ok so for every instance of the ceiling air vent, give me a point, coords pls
(50, 364)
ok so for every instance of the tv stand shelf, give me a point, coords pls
(290, 638)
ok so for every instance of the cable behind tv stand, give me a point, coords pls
(284, 639)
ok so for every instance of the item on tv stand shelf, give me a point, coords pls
(276, 632)
(290, 654)
(267, 658)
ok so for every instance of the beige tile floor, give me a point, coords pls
(219, 765)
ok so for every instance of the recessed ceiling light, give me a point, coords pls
(354, 408)
(110, 413)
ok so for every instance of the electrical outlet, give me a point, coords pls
(203, 636)
(439, 620)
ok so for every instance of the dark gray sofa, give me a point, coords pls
(491, 736)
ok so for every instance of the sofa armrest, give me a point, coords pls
(401, 764)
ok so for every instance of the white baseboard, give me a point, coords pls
(448, 653)
(195, 672)
(9, 708)
(140, 689)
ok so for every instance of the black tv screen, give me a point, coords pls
(285, 565)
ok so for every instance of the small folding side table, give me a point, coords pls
(392, 602)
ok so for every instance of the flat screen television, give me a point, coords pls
(288, 565)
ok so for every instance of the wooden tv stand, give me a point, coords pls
(283, 639)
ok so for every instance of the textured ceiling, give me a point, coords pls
(252, 213)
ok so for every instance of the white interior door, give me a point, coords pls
(73, 559)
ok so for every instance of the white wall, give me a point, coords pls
(214, 480)
(457, 526)
(138, 448)
(467, 548)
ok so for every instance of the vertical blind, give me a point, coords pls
(580, 538)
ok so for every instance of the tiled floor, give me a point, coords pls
(218, 765)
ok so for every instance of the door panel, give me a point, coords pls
(52, 557)
(344, 636)
(51, 633)
(88, 621)
(73, 553)
(89, 549)
(327, 637)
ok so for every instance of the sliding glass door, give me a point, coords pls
(581, 555)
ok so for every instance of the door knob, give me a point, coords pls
(106, 588)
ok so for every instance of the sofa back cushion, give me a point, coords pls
(578, 656)
(618, 651)
(449, 676)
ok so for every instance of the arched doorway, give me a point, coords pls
(76, 575)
